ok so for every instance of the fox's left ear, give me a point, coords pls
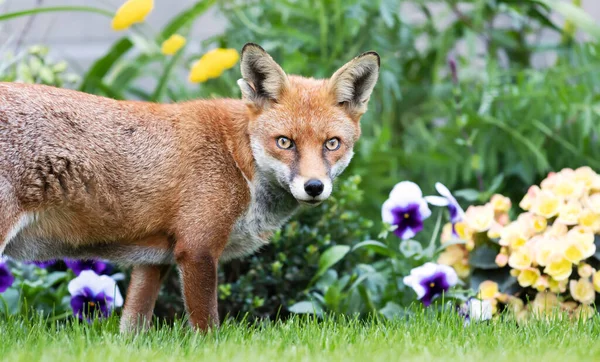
(353, 83)
(263, 79)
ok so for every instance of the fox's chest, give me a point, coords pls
(268, 210)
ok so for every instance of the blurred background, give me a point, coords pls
(484, 96)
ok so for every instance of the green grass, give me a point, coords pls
(422, 338)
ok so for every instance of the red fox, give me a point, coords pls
(192, 183)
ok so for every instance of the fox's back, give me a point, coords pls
(104, 168)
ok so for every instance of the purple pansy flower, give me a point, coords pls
(406, 209)
(456, 212)
(6, 277)
(98, 266)
(42, 264)
(92, 293)
(430, 280)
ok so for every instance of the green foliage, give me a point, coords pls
(34, 66)
(267, 283)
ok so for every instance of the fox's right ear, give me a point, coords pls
(263, 79)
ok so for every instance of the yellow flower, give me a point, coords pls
(495, 231)
(593, 202)
(547, 204)
(596, 281)
(132, 12)
(557, 230)
(463, 231)
(213, 64)
(520, 259)
(585, 270)
(528, 277)
(501, 260)
(587, 176)
(590, 220)
(500, 203)
(544, 248)
(584, 311)
(557, 286)
(173, 44)
(545, 303)
(462, 269)
(538, 223)
(568, 188)
(480, 218)
(529, 198)
(580, 245)
(582, 291)
(452, 255)
(569, 213)
(488, 290)
(541, 283)
(559, 267)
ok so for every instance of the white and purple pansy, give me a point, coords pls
(431, 280)
(456, 212)
(476, 310)
(6, 277)
(405, 209)
(98, 266)
(94, 295)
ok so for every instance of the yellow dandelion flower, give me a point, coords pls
(582, 291)
(559, 267)
(132, 12)
(173, 44)
(213, 64)
(528, 277)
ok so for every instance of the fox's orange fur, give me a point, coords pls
(147, 184)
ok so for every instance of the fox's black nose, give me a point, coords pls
(313, 187)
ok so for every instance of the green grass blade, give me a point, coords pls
(162, 83)
(101, 67)
(52, 9)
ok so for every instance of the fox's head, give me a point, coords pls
(302, 130)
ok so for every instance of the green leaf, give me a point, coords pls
(374, 246)
(483, 257)
(576, 15)
(306, 308)
(162, 83)
(102, 66)
(51, 9)
(185, 18)
(467, 194)
(329, 258)
(392, 311)
(410, 248)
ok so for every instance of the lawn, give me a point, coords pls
(421, 338)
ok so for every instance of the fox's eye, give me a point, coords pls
(284, 143)
(332, 144)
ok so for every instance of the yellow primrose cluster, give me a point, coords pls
(548, 248)
(211, 65)
(480, 222)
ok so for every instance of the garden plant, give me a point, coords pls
(467, 226)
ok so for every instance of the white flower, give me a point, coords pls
(406, 209)
(478, 310)
(430, 280)
(456, 212)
